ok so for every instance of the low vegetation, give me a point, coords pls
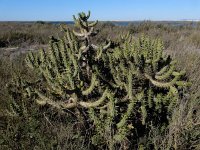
(116, 89)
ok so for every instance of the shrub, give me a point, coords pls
(24, 125)
(118, 91)
(195, 39)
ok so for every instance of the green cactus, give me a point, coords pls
(19, 91)
(119, 89)
(66, 67)
(145, 81)
(150, 69)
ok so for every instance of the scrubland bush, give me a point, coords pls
(13, 34)
(127, 94)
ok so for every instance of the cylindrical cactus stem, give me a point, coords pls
(166, 75)
(95, 103)
(92, 85)
(160, 83)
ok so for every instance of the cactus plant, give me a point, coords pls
(145, 83)
(134, 82)
(66, 67)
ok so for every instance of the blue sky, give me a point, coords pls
(62, 10)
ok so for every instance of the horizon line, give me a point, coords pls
(189, 20)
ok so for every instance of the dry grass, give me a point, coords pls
(183, 131)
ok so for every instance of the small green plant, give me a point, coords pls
(120, 90)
